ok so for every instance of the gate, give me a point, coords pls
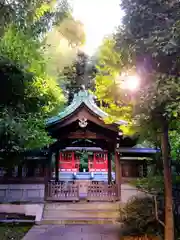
(99, 191)
(59, 191)
(102, 192)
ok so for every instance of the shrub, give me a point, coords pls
(138, 218)
(152, 184)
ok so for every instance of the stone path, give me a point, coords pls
(128, 191)
(73, 232)
(81, 231)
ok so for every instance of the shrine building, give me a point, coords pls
(80, 132)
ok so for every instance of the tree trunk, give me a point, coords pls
(169, 219)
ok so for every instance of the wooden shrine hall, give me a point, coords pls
(81, 122)
(81, 127)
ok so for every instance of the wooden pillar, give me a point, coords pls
(118, 173)
(57, 165)
(20, 169)
(145, 168)
(43, 166)
(48, 172)
(109, 169)
(49, 166)
(31, 165)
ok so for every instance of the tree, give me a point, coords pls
(152, 32)
(35, 16)
(31, 94)
(83, 161)
(72, 30)
(107, 86)
(148, 42)
(78, 74)
(174, 136)
(30, 60)
(62, 44)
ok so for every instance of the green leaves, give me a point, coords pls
(22, 132)
(113, 100)
(149, 41)
(174, 136)
(28, 94)
(35, 16)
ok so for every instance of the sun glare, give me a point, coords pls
(131, 82)
(95, 15)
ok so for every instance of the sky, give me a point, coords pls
(100, 18)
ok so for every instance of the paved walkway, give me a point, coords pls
(73, 232)
(128, 191)
(85, 231)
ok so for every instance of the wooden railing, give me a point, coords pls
(59, 191)
(102, 192)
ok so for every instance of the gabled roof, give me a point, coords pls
(82, 97)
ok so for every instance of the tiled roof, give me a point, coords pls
(82, 97)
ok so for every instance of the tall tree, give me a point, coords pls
(107, 85)
(151, 31)
(31, 94)
(36, 16)
(148, 43)
(79, 73)
(62, 44)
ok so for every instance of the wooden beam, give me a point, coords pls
(85, 135)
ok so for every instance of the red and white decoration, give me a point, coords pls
(70, 162)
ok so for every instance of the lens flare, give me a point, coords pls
(131, 83)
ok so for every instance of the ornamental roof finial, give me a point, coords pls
(83, 88)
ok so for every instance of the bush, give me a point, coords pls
(151, 184)
(138, 218)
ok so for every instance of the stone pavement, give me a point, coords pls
(73, 232)
(128, 191)
(81, 231)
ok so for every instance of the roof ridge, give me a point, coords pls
(83, 96)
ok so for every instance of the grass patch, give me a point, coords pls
(13, 231)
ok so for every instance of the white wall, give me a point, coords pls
(22, 192)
